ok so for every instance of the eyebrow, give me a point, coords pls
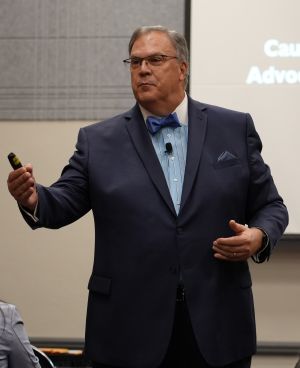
(153, 54)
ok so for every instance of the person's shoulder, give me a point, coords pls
(215, 108)
(4, 307)
(113, 122)
(7, 308)
(8, 313)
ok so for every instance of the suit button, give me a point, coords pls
(179, 230)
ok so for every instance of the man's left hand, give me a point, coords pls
(245, 243)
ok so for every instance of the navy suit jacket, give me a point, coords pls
(141, 243)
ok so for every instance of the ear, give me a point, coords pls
(183, 70)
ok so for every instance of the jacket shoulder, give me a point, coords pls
(114, 122)
(214, 108)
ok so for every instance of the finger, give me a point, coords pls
(24, 191)
(235, 257)
(231, 252)
(13, 175)
(237, 244)
(238, 238)
(29, 168)
(236, 227)
(20, 180)
(231, 249)
(21, 185)
(234, 241)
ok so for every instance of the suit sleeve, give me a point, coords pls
(67, 199)
(265, 207)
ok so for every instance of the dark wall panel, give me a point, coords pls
(62, 59)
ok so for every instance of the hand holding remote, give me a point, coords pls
(21, 183)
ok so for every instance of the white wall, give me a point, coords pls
(45, 272)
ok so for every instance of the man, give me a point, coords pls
(178, 212)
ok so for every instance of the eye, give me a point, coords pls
(135, 61)
(155, 59)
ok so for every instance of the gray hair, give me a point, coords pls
(177, 40)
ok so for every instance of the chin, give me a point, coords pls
(146, 98)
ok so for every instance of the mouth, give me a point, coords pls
(145, 84)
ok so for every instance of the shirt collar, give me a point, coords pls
(181, 111)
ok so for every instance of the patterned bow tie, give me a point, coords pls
(154, 124)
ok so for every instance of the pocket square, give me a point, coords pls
(226, 156)
(226, 159)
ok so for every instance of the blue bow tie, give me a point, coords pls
(154, 124)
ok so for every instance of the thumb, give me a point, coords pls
(236, 227)
(29, 168)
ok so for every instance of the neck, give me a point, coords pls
(162, 108)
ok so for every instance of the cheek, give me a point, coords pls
(168, 78)
(133, 78)
(167, 83)
(133, 82)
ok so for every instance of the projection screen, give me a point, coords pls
(245, 55)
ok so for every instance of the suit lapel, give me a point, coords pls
(196, 136)
(142, 142)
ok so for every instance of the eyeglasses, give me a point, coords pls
(153, 60)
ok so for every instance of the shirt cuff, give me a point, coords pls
(33, 215)
(264, 252)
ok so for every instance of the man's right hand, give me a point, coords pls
(22, 186)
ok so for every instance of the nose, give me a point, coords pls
(144, 66)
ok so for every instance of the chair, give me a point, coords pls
(45, 361)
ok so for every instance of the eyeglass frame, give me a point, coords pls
(146, 58)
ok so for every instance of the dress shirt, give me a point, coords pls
(173, 163)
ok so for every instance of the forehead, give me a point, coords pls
(152, 43)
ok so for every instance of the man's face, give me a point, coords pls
(159, 89)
